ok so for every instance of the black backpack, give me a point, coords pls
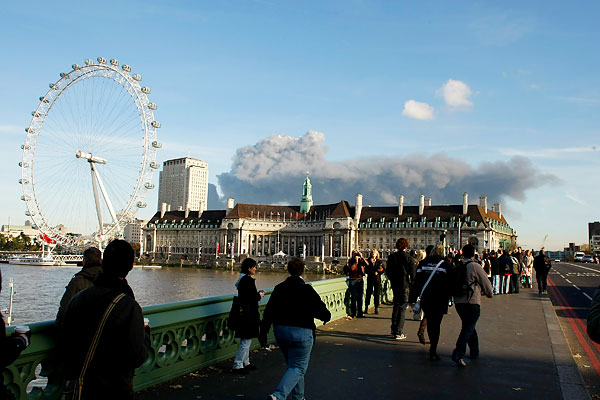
(457, 278)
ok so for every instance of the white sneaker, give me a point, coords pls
(401, 337)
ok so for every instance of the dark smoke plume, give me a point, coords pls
(272, 172)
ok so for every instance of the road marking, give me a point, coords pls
(568, 280)
(581, 266)
(576, 287)
(587, 295)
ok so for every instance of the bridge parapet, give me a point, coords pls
(185, 336)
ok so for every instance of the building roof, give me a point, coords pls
(208, 215)
(322, 211)
(445, 212)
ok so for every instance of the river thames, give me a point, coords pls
(38, 290)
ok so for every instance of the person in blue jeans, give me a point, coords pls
(291, 310)
(355, 269)
(468, 307)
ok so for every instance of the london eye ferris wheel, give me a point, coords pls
(89, 154)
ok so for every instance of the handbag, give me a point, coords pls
(76, 393)
(235, 313)
(416, 308)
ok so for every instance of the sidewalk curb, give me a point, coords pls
(571, 382)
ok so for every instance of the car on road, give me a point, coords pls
(579, 256)
(588, 258)
(557, 260)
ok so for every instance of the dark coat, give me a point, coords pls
(541, 264)
(495, 266)
(593, 319)
(293, 303)
(123, 345)
(505, 265)
(437, 293)
(248, 297)
(80, 281)
(373, 270)
(400, 270)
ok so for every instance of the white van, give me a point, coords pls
(579, 256)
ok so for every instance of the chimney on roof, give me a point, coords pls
(168, 207)
(358, 208)
(400, 204)
(187, 211)
(483, 203)
(230, 204)
(180, 208)
(163, 209)
(427, 201)
(421, 204)
(498, 209)
(465, 203)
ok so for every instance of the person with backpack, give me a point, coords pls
(467, 282)
(400, 270)
(431, 286)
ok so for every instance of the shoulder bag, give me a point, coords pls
(76, 394)
(416, 308)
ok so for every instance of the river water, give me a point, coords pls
(38, 290)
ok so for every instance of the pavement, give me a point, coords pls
(524, 355)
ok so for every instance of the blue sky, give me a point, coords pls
(469, 83)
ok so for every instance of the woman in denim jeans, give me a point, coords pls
(248, 297)
(291, 309)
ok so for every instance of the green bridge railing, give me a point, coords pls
(185, 336)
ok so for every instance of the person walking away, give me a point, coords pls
(541, 265)
(248, 327)
(432, 274)
(292, 309)
(400, 270)
(423, 322)
(468, 305)
(10, 349)
(92, 258)
(374, 270)
(505, 268)
(108, 315)
(495, 267)
(355, 269)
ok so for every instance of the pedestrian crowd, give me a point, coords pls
(430, 282)
(104, 337)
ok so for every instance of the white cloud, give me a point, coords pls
(455, 93)
(417, 110)
(563, 152)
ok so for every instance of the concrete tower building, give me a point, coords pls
(183, 184)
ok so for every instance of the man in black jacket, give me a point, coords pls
(92, 257)
(292, 309)
(400, 270)
(124, 341)
(542, 266)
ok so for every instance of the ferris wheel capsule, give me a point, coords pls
(114, 62)
(44, 100)
(30, 214)
(149, 185)
(75, 67)
(89, 62)
(64, 75)
(137, 77)
(152, 106)
(156, 124)
(101, 60)
(23, 181)
(154, 165)
(146, 90)
(25, 147)
(126, 68)
(156, 144)
(53, 86)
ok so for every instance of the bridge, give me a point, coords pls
(523, 355)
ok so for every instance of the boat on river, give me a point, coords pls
(43, 261)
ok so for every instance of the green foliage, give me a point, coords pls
(18, 243)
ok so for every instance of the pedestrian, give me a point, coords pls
(92, 259)
(505, 268)
(593, 319)
(516, 272)
(541, 265)
(495, 267)
(10, 349)
(355, 269)
(400, 270)
(374, 271)
(248, 326)
(292, 309)
(527, 269)
(107, 315)
(431, 285)
(468, 307)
